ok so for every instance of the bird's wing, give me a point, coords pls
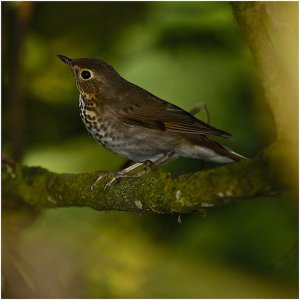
(158, 114)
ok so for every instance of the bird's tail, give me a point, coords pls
(205, 148)
(233, 155)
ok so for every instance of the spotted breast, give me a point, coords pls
(94, 123)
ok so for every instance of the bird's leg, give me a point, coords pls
(198, 107)
(162, 160)
(124, 171)
(149, 166)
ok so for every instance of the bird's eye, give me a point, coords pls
(86, 74)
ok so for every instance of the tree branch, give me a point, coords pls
(158, 192)
(271, 30)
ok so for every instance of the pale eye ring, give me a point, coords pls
(85, 74)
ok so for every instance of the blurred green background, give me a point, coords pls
(183, 52)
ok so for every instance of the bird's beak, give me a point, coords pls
(65, 59)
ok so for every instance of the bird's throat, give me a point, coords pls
(88, 96)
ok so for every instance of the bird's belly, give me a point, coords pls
(136, 146)
(137, 154)
(129, 147)
(134, 143)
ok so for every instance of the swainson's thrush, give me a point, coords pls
(137, 125)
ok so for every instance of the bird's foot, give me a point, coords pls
(119, 175)
(148, 167)
(116, 175)
(125, 173)
(198, 107)
(100, 176)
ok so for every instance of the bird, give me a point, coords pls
(135, 124)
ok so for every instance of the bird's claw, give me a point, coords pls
(108, 185)
(116, 176)
(101, 176)
(148, 167)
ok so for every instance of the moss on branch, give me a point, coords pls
(158, 191)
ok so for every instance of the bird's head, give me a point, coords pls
(92, 76)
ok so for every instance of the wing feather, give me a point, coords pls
(155, 113)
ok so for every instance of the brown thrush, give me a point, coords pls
(137, 125)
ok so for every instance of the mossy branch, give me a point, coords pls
(158, 192)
